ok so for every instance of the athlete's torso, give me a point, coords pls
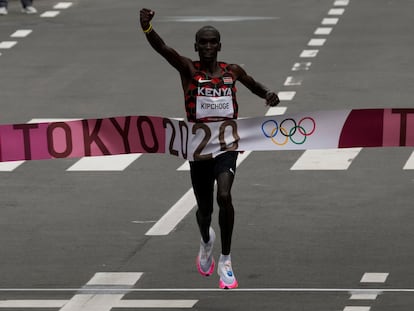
(209, 98)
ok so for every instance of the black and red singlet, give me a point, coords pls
(209, 98)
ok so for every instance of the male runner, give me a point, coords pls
(210, 95)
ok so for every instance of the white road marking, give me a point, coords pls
(286, 95)
(7, 44)
(336, 11)
(276, 111)
(21, 33)
(330, 21)
(292, 81)
(308, 53)
(341, 2)
(10, 166)
(215, 289)
(63, 5)
(108, 163)
(357, 308)
(24, 304)
(370, 277)
(115, 278)
(180, 209)
(50, 14)
(362, 296)
(105, 297)
(409, 165)
(323, 31)
(326, 159)
(174, 215)
(301, 66)
(316, 42)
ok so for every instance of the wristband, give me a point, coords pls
(148, 30)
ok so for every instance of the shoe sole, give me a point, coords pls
(233, 285)
(210, 270)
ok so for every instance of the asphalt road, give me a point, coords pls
(303, 240)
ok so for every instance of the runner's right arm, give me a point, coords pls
(182, 64)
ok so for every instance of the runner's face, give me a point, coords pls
(208, 45)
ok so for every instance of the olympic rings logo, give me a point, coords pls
(289, 129)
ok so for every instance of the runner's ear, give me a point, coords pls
(195, 47)
(219, 47)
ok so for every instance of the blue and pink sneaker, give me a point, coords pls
(205, 261)
(225, 271)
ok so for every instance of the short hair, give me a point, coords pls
(207, 28)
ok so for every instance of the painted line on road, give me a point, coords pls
(21, 33)
(50, 14)
(63, 5)
(375, 277)
(323, 31)
(302, 66)
(326, 159)
(341, 2)
(7, 44)
(409, 165)
(316, 42)
(216, 289)
(109, 163)
(308, 53)
(357, 308)
(330, 21)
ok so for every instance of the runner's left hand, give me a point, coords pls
(272, 99)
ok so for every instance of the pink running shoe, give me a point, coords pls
(205, 261)
(227, 278)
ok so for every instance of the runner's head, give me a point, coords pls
(207, 42)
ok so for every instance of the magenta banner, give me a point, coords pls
(198, 141)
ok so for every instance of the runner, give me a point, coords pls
(210, 95)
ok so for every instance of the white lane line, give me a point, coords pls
(316, 42)
(301, 66)
(286, 95)
(179, 210)
(308, 53)
(21, 33)
(148, 303)
(375, 277)
(357, 308)
(25, 304)
(326, 159)
(276, 111)
(215, 289)
(336, 11)
(104, 163)
(341, 2)
(409, 165)
(10, 166)
(7, 44)
(330, 21)
(323, 31)
(293, 81)
(115, 278)
(63, 5)
(107, 295)
(362, 296)
(174, 215)
(50, 14)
